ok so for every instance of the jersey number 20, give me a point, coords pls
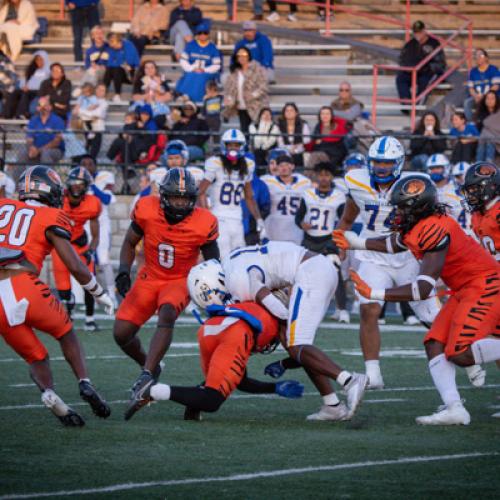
(20, 224)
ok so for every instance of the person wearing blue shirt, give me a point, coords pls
(84, 14)
(482, 78)
(96, 57)
(201, 62)
(123, 59)
(263, 200)
(259, 45)
(181, 26)
(44, 144)
(466, 143)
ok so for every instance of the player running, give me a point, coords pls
(174, 233)
(464, 332)
(35, 225)
(227, 340)
(368, 196)
(80, 207)
(228, 180)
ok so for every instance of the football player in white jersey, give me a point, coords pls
(286, 191)
(319, 211)
(251, 273)
(368, 197)
(176, 154)
(458, 173)
(228, 180)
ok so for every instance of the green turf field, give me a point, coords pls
(254, 447)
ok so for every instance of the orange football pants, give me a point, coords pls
(61, 273)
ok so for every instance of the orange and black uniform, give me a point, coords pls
(170, 251)
(23, 226)
(89, 208)
(486, 227)
(473, 311)
(226, 343)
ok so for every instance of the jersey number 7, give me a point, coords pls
(373, 216)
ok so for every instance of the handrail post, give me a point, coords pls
(407, 20)
(327, 19)
(235, 11)
(413, 115)
(61, 10)
(469, 46)
(374, 95)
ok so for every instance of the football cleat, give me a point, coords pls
(412, 321)
(476, 374)
(192, 414)
(355, 389)
(66, 415)
(140, 394)
(72, 419)
(91, 326)
(91, 396)
(452, 414)
(326, 412)
(344, 317)
(496, 415)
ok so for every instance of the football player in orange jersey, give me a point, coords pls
(174, 233)
(36, 225)
(80, 207)
(464, 332)
(227, 339)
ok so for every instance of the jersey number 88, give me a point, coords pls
(231, 194)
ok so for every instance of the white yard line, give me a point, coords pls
(250, 476)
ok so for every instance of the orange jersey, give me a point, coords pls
(23, 226)
(171, 250)
(88, 209)
(465, 260)
(487, 228)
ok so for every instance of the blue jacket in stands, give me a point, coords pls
(97, 55)
(82, 3)
(192, 16)
(261, 49)
(126, 55)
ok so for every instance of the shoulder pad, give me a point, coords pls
(60, 232)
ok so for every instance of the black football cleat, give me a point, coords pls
(92, 397)
(140, 394)
(71, 419)
(192, 414)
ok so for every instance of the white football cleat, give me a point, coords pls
(355, 390)
(292, 18)
(476, 374)
(453, 414)
(381, 321)
(412, 321)
(338, 412)
(496, 415)
(344, 317)
(273, 17)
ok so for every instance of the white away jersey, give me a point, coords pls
(376, 211)
(321, 211)
(449, 196)
(278, 262)
(227, 189)
(285, 201)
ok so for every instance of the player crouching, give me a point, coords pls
(226, 340)
(35, 225)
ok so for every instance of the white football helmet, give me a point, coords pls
(206, 284)
(459, 170)
(438, 161)
(157, 175)
(233, 135)
(386, 158)
(104, 178)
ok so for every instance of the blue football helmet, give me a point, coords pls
(177, 147)
(386, 158)
(354, 160)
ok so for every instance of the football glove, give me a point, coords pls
(261, 228)
(106, 301)
(289, 389)
(123, 283)
(275, 370)
(88, 255)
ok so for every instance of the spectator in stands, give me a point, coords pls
(8, 78)
(84, 14)
(414, 51)
(346, 106)
(295, 133)
(192, 130)
(259, 45)
(246, 89)
(430, 141)
(265, 134)
(274, 16)
(43, 146)
(148, 22)
(122, 62)
(212, 106)
(181, 26)
(464, 148)
(96, 57)
(58, 88)
(148, 80)
(488, 124)
(201, 62)
(17, 101)
(18, 23)
(258, 10)
(482, 78)
(328, 136)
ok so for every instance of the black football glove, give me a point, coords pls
(123, 283)
(88, 255)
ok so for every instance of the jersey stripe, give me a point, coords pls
(360, 184)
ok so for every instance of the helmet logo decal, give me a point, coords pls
(414, 187)
(485, 170)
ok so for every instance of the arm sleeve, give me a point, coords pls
(264, 200)
(210, 250)
(254, 386)
(301, 212)
(138, 216)
(105, 198)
